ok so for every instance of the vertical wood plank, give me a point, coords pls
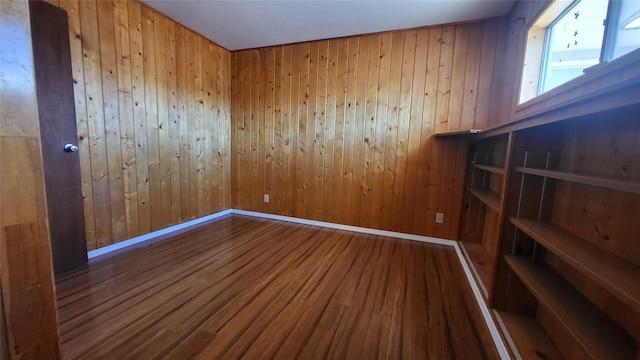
(111, 119)
(405, 137)
(424, 213)
(403, 134)
(183, 119)
(415, 130)
(312, 113)
(341, 143)
(304, 143)
(235, 59)
(351, 121)
(164, 138)
(191, 138)
(277, 156)
(360, 102)
(127, 130)
(269, 129)
(151, 117)
(330, 130)
(261, 113)
(489, 39)
(472, 74)
(95, 122)
(294, 116)
(391, 136)
(382, 113)
(252, 128)
(458, 73)
(201, 192)
(139, 116)
(370, 128)
(320, 116)
(173, 121)
(225, 120)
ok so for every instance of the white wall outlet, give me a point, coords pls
(266, 198)
(439, 218)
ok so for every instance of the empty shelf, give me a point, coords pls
(489, 198)
(628, 184)
(597, 334)
(490, 168)
(529, 338)
(615, 274)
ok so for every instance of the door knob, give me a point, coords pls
(71, 148)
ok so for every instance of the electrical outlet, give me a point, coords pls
(266, 198)
(439, 218)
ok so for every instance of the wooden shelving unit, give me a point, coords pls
(481, 219)
(569, 208)
(550, 224)
(550, 218)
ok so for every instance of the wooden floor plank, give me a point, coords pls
(241, 287)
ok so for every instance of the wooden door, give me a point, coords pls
(54, 85)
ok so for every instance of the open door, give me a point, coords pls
(56, 107)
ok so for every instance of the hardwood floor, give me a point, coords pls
(242, 287)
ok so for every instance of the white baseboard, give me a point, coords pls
(497, 339)
(152, 235)
(491, 325)
(358, 229)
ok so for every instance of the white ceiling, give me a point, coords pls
(244, 24)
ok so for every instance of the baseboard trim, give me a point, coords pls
(358, 229)
(152, 235)
(484, 309)
(493, 330)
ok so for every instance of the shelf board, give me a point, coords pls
(615, 274)
(493, 169)
(628, 184)
(489, 198)
(457, 134)
(597, 334)
(528, 337)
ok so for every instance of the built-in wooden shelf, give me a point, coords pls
(494, 169)
(615, 274)
(489, 198)
(627, 184)
(598, 335)
(528, 337)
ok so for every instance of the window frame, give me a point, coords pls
(537, 50)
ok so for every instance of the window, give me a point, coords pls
(572, 36)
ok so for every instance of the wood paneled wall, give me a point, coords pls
(26, 271)
(342, 130)
(153, 114)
